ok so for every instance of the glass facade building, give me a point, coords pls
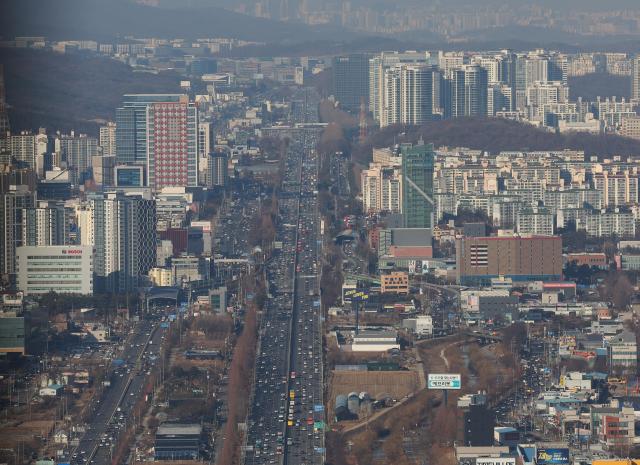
(417, 186)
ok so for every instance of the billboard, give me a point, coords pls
(444, 381)
(552, 456)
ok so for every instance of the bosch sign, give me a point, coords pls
(72, 252)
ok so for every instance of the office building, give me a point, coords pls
(351, 81)
(469, 87)
(520, 258)
(218, 168)
(12, 205)
(172, 144)
(131, 126)
(63, 269)
(417, 186)
(124, 233)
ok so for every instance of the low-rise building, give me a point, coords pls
(396, 282)
(421, 325)
(51, 390)
(161, 277)
(374, 341)
(178, 442)
(623, 350)
(521, 258)
(597, 259)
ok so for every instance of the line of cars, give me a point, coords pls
(111, 412)
(288, 380)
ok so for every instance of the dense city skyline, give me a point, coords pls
(319, 232)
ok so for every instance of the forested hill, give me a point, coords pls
(495, 135)
(64, 92)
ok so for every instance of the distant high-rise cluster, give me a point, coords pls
(416, 87)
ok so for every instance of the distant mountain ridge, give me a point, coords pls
(105, 20)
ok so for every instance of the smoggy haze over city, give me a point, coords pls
(319, 232)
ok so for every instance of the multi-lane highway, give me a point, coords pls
(286, 418)
(111, 413)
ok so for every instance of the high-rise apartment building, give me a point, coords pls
(469, 91)
(351, 80)
(542, 93)
(408, 94)
(617, 189)
(417, 186)
(630, 127)
(416, 93)
(12, 205)
(204, 148)
(23, 148)
(218, 167)
(535, 221)
(499, 98)
(635, 77)
(378, 65)
(45, 224)
(124, 233)
(78, 153)
(108, 139)
(381, 189)
(131, 126)
(172, 144)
